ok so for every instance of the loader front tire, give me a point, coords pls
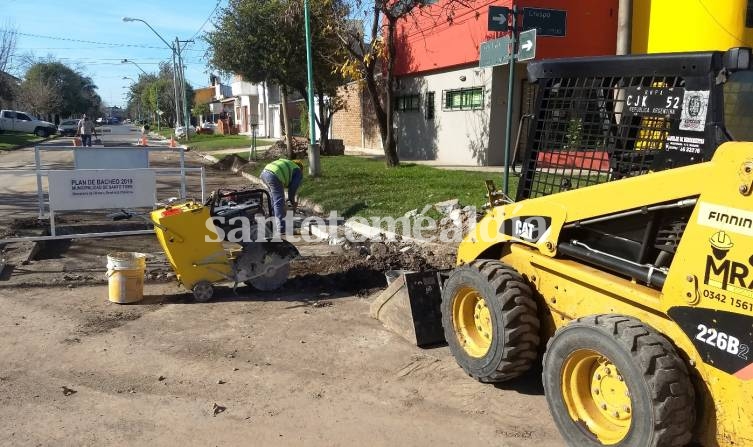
(490, 321)
(612, 380)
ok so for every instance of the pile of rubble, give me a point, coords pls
(279, 149)
(455, 220)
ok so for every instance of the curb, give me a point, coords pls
(372, 233)
(378, 234)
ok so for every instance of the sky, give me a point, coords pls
(90, 36)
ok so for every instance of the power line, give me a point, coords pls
(91, 42)
(209, 17)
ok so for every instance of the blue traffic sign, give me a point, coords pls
(546, 22)
(498, 17)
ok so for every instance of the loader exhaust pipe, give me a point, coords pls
(648, 274)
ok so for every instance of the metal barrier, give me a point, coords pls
(100, 164)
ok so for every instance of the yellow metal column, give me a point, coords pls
(665, 26)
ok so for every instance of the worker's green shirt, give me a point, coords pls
(282, 169)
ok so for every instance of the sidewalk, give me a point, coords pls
(432, 163)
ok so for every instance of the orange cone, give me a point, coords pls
(143, 141)
(173, 144)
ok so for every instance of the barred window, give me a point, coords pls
(408, 103)
(429, 106)
(464, 99)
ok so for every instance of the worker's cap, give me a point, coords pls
(299, 163)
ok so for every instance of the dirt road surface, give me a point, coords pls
(305, 365)
(296, 367)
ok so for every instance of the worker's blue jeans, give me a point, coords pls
(277, 191)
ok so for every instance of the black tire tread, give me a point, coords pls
(520, 321)
(663, 369)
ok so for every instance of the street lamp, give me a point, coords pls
(138, 102)
(175, 48)
(156, 97)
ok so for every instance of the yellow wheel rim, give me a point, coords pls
(472, 321)
(596, 394)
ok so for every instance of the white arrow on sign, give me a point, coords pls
(501, 19)
(527, 45)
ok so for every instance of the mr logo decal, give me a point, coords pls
(724, 273)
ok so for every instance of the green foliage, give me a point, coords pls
(200, 110)
(304, 117)
(14, 140)
(372, 189)
(264, 40)
(75, 92)
(154, 92)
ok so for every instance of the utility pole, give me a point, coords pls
(314, 166)
(186, 117)
(175, 89)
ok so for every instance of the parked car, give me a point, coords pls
(68, 127)
(15, 121)
(180, 131)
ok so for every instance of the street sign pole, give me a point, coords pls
(510, 93)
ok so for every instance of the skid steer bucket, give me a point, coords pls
(410, 307)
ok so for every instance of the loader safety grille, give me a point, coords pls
(598, 120)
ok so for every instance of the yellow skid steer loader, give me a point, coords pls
(625, 265)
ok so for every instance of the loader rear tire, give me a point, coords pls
(490, 321)
(612, 380)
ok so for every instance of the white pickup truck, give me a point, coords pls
(15, 121)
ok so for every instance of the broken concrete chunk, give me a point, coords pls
(447, 206)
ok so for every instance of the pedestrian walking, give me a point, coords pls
(85, 130)
(277, 176)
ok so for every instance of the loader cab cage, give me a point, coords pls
(599, 119)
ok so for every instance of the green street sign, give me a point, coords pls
(494, 52)
(526, 45)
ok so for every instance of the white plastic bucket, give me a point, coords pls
(125, 275)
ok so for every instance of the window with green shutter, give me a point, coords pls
(464, 99)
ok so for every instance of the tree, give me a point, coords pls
(7, 50)
(153, 92)
(76, 92)
(39, 97)
(373, 61)
(263, 41)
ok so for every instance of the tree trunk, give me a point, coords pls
(265, 109)
(323, 124)
(390, 145)
(286, 121)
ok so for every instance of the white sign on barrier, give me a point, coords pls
(101, 189)
(111, 158)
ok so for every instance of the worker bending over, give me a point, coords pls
(277, 176)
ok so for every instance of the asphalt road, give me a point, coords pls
(18, 182)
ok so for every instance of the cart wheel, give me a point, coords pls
(203, 291)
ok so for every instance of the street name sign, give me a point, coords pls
(494, 52)
(498, 16)
(527, 45)
(547, 22)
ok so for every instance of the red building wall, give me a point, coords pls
(428, 41)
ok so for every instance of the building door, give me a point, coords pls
(245, 118)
